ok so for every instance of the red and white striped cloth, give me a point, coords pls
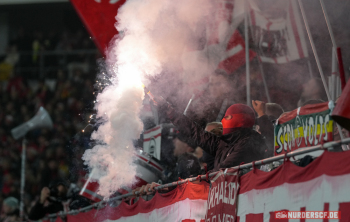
(186, 203)
(323, 185)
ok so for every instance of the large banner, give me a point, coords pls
(309, 125)
(277, 30)
(323, 185)
(186, 203)
(222, 198)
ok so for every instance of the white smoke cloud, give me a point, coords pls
(155, 34)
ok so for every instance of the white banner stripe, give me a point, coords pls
(185, 209)
(311, 194)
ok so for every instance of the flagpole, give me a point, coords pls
(314, 49)
(188, 104)
(247, 52)
(334, 72)
(328, 24)
(264, 80)
(338, 54)
(309, 66)
(262, 74)
(334, 56)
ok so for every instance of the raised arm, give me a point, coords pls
(207, 141)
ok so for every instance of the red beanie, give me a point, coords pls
(242, 116)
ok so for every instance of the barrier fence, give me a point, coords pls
(102, 204)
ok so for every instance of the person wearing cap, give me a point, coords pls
(239, 142)
(10, 209)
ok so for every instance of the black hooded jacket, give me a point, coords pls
(242, 145)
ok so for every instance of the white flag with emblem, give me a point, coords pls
(152, 141)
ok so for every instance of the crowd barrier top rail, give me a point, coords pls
(101, 204)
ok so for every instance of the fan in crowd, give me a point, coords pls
(312, 90)
(239, 142)
(10, 210)
(267, 114)
(67, 99)
(57, 197)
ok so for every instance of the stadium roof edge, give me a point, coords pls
(16, 2)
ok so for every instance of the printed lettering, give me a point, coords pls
(221, 194)
(279, 150)
(216, 201)
(297, 125)
(320, 119)
(311, 126)
(315, 131)
(284, 139)
(326, 122)
(233, 194)
(305, 127)
(211, 198)
(226, 197)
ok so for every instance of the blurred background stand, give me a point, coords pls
(40, 120)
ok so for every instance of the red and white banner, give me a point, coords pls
(321, 186)
(152, 141)
(277, 31)
(222, 198)
(99, 18)
(186, 203)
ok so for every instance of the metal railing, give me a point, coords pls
(102, 204)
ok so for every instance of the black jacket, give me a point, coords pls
(38, 211)
(242, 145)
(267, 130)
(76, 201)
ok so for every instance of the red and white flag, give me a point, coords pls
(99, 18)
(152, 141)
(235, 54)
(277, 31)
(224, 46)
(90, 189)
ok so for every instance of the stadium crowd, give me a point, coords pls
(66, 93)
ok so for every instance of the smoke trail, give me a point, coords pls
(155, 33)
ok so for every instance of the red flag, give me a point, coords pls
(235, 54)
(99, 18)
(90, 188)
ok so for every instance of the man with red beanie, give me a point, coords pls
(239, 142)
